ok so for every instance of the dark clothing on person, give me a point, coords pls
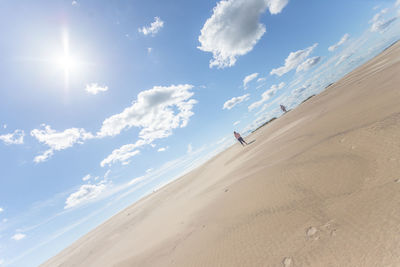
(241, 140)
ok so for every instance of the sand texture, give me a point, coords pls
(320, 186)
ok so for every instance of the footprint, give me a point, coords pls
(287, 261)
(333, 232)
(311, 231)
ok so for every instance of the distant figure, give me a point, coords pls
(239, 138)
(283, 108)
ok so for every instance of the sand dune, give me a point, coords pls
(320, 186)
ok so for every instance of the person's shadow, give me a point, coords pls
(252, 141)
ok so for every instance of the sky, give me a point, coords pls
(104, 102)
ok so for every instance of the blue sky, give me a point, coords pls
(103, 102)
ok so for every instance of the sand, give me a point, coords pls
(320, 186)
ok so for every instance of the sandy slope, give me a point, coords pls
(318, 187)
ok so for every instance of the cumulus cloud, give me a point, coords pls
(293, 60)
(18, 236)
(156, 111)
(58, 140)
(154, 27)
(341, 41)
(15, 138)
(267, 95)
(248, 79)
(379, 24)
(84, 194)
(234, 29)
(235, 100)
(162, 149)
(308, 64)
(94, 88)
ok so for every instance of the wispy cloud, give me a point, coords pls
(379, 24)
(341, 41)
(154, 27)
(308, 64)
(162, 149)
(293, 60)
(267, 95)
(234, 29)
(86, 177)
(236, 123)
(235, 100)
(248, 79)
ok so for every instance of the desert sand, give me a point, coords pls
(320, 186)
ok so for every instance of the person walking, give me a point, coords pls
(239, 138)
(283, 108)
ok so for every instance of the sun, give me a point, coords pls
(67, 63)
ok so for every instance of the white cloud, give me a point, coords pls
(235, 100)
(378, 23)
(157, 111)
(149, 50)
(154, 27)
(122, 154)
(5, 126)
(58, 140)
(248, 79)
(267, 95)
(236, 123)
(86, 177)
(293, 60)
(189, 148)
(74, 3)
(1, 209)
(234, 29)
(15, 138)
(149, 170)
(94, 88)
(18, 236)
(162, 149)
(308, 64)
(85, 193)
(263, 79)
(343, 58)
(341, 41)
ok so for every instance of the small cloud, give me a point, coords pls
(149, 50)
(162, 149)
(84, 194)
(149, 170)
(308, 64)
(86, 177)
(154, 27)
(15, 138)
(94, 88)
(234, 101)
(263, 79)
(1, 209)
(248, 79)
(107, 174)
(122, 154)
(293, 60)
(189, 148)
(74, 3)
(236, 123)
(267, 95)
(18, 236)
(341, 41)
(5, 126)
(379, 24)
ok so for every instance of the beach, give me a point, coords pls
(319, 186)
